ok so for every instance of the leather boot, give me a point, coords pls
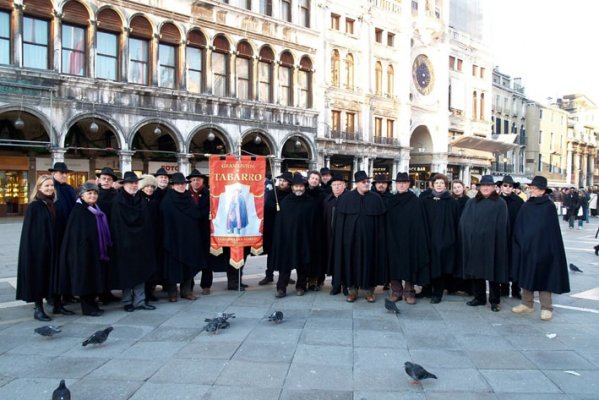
(39, 313)
(59, 308)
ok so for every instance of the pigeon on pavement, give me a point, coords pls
(62, 392)
(417, 372)
(276, 317)
(390, 306)
(215, 324)
(574, 268)
(99, 337)
(48, 330)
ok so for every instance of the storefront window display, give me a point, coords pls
(14, 192)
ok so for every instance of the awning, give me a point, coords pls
(483, 144)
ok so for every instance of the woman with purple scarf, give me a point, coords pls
(85, 250)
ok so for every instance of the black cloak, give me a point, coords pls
(270, 215)
(329, 210)
(462, 203)
(442, 219)
(105, 200)
(184, 255)
(132, 237)
(317, 266)
(152, 211)
(81, 271)
(483, 239)
(514, 203)
(359, 244)
(407, 239)
(214, 263)
(538, 255)
(294, 228)
(65, 201)
(37, 270)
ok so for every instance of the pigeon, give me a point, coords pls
(48, 330)
(390, 306)
(99, 337)
(574, 268)
(276, 317)
(215, 324)
(417, 372)
(62, 392)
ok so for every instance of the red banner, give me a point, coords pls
(236, 205)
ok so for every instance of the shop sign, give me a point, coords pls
(170, 167)
(419, 168)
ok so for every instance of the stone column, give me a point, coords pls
(17, 18)
(58, 155)
(93, 28)
(125, 54)
(591, 176)
(125, 162)
(576, 169)
(327, 161)
(232, 78)
(466, 176)
(183, 161)
(153, 60)
(276, 166)
(181, 77)
(208, 69)
(404, 161)
(569, 165)
(56, 49)
(395, 168)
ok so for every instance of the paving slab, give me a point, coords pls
(250, 374)
(318, 377)
(333, 337)
(193, 371)
(170, 391)
(93, 389)
(558, 359)
(217, 392)
(503, 359)
(31, 388)
(519, 381)
(316, 395)
(126, 370)
(586, 383)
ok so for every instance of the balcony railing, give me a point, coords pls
(385, 140)
(355, 136)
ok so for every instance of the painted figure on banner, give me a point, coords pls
(238, 217)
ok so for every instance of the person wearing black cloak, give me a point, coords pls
(407, 241)
(132, 264)
(85, 251)
(442, 213)
(457, 283)
(458, 191)
(382, 185)
(162, 178)
(294, 228)
(65, 193)
(147, 186)
(37, 267)
(538, 255)
(338, 189)
(326, 180)
(513, 202)
(483, 235)
(359, 244)
(272, 202)
(184, 255)
(316, 270)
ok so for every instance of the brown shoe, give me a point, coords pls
(410, 299)
(189, 296)
(172, 299)
(351, 297)
(370, 297)
(206, 291)
(394, 297)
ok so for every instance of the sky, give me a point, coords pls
(553, 45)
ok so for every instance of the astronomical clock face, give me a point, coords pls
(423, 74)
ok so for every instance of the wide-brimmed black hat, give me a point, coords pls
(324, 171)
(337, 178)
(87, 187)
(298, 179)
(402, 177)
(108, 171)
(486, 180)
(129, 177)
(506, 179)
(178, 177)
(59, 167)
(286, 176)
(382, 178)
(360, 176)
(195, 174)
(161, 171)
(541, 183)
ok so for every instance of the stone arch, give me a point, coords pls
(110, 123)
(421, 140)
(44, 121)
(174, 133)
(220, 132)
(270, 141)
(307, 140)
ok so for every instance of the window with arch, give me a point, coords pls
(335, 68)
(243, 68)
(265, 74)
(110, 27)
(390, 81)
(286, 79)
(36, 34)
(474, 105)
(220, 67)
(378, 78)
(305, 82)
(196, 54)
(168, 49)
(304, 13)
(4, 37)
(349, 78)
(139, 50)
(75, 20)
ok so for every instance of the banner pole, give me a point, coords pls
(239, 279)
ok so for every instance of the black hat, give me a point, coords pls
(486, 180)
(381, 178)
(360, 176)
(161, 171)
(541, 183)
(298, 179)
(87, 187)
(195, 173)
(324, 171)
(107, 171)
(129, 177)
(60, 167)
(178, 177)
(337, 178)
(286, 176)
(402, 177)
(506, 179)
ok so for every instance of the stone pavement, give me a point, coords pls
(325, 349)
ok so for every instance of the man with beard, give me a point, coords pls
(381, 186)
(272, 203)
(325, 179)
(132, 235)
(483, 233)
(329, 210)
(514, 202)
(292, 237)
(407, 241)
(359, 240)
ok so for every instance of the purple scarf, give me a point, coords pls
(104, 239)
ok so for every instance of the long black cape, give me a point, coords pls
(329, 210)
(105, 200)
(538, 255)
(317, 266)
(442, 216)
(270, 217)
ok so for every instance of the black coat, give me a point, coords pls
(105, 200)
(329, 210)
(37, 269)
(294, 227)
(538, 255)
(132, 236)
(359, 244)
(152, 211)
(81, 271)
(270, 217)
(214, 263)
(513, 202)
(462, 203)
(407, 239)
(318, 265)
(442, 215)
(184, 255)
(483, 239)
(65, 199)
